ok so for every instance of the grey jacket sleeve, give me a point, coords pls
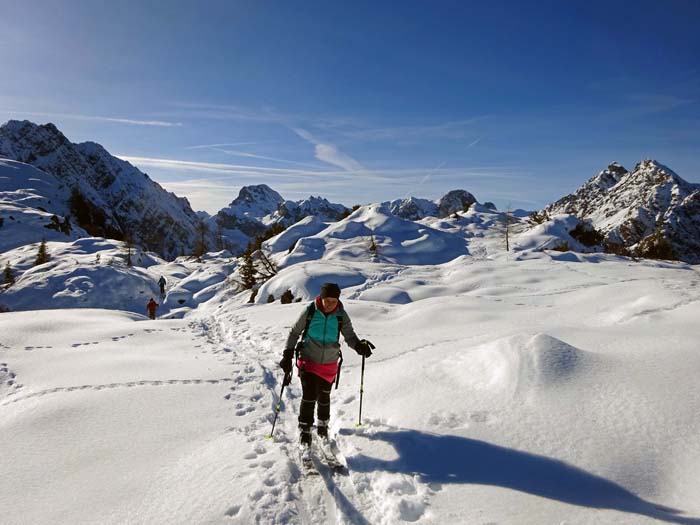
(296, 331)
(348, 332)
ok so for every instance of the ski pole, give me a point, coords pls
(362, 390)
(287, 379)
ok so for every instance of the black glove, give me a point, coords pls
(286, 363)
(364, 348)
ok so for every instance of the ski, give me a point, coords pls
(327, 449)
(307, 463)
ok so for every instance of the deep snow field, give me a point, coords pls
(530, 387)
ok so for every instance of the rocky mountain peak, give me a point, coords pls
(109, 196)
(257, 194)
(650, 206)
(455, 201)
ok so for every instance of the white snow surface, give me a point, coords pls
(397, 240)
(28, 199)
(513, 388)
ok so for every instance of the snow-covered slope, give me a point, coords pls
(117, 199)
(635, 209)
(397, 240)
(537, 390)
(287, 239)
(29, 198)
(87, 273)
(92, 272)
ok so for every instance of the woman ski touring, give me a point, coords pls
(319, 326)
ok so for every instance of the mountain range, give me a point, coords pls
(53, 187)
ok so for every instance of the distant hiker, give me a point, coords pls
(152, 306)
(320, 326)
(161, 283)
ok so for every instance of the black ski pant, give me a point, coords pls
(315, 390)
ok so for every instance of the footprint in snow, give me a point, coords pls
(233, 511)
(481, 416)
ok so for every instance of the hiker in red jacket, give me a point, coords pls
(152, 306)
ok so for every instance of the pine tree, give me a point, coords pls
(9, 275)
(248, 271)
(201, 247)
(42, 255)
(221, 243)
(373, 248)
(128, 248)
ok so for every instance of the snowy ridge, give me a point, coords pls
(125, 199)
(290, 212)
(630, 208)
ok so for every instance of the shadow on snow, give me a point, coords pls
(453, 459)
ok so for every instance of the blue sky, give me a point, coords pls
(363, 101)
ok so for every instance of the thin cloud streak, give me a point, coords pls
(211, 167)
(133, 122)
(329, 153)
(227, 144)
(454, 130)
(230, 112)
(262, 157)
(349, 127)
(328, 178)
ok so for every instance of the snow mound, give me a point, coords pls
(305, 280)
(522, 363)
(198, 287)
(398, 241)
(550, 235)
(306, 227)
